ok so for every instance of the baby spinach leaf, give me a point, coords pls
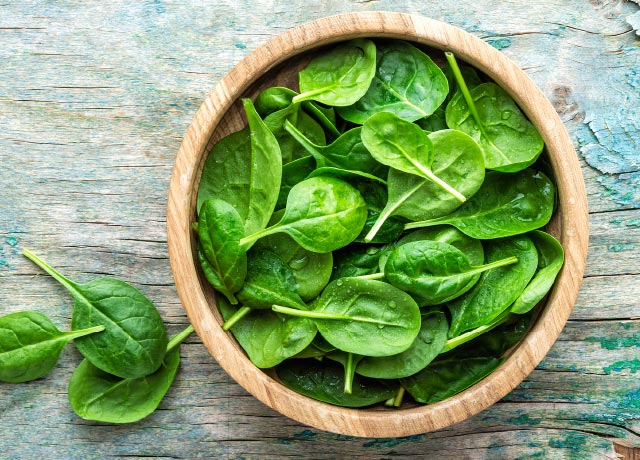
(97, 395)
(505, 205)
(340, 76)
(470, 247)
(457, 161)
(356, 260)
(443, 379)
(322, 215)
(346, 152)
(266, 172)
(550, 260)
(407, 83)
(404, 146)
(226, 174)
(472, 334)
(222, 259)
(434, 122)
(269, 338)
(292, 173)
(134, 340)
(427, 345)
(487, 113)
(433, 272)
(30, 345)
(325, 382)
(269, 281)
(311, 270)
(497, 289)
(364, 317)
(273, 99)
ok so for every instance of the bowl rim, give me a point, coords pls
(571, 228)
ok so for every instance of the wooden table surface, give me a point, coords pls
(94, 100)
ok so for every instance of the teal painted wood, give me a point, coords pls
(94, 100)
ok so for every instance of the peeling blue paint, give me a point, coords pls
(304, 434)
(629, 401)
(499, 43)
(619, 366)
(241, 46)
(613, 343)
(620, 247)
(392, 442)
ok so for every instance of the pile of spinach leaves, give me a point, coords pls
(378, 232)
(128, 363)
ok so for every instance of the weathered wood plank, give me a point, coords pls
(94, 99)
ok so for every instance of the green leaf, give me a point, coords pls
(222, 259)
(427, 345)
(322, 215)
(497, 289)
(364, 317)
(505, 205)
(325, 382)
(269, 338)
(99, 396)
(550, 260)
(407, 83)
(491, 117)
(340, 76)
(443, 379)
(134, 340)
(30, 345)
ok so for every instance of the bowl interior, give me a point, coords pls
(223, 114)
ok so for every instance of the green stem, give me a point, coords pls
(432, 177)
(237, 316)
(321, 118)
(349, 371)
(472, 334)
(179, 338)
(82, 332)
(492, 265)
(464, 89)
(308, 95)
(309, 146)
(307, 313)
(372, 276)
(397, 401)
(67, 283)
(427, 223)
(248, 240)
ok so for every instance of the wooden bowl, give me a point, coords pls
(277, 63)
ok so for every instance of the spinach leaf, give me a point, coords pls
(30, 345)
(487, 113)
(471, 247)
(505, 205)
(97, 395)
(433, 272)
(356, 260)
(404, 146)
(325, 382)
(311, 270)
(349, 175)
(341, 76)
(292, 173)
(497, 289)
(322, 215)
(550, 260)
(457, 160)
(289, 148)
(427, 345)
(364, 317)
(407, 83)
(226, 174)
(269, 281)
(266, 172)
(346, 152)
(134, 340)
(502, 338)
(443, 379)
(223, 260)
(273, 99)
(269, 338)
(434, 122)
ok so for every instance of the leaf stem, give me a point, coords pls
(349, 370)
(67, 283)
(309, 146)
(307, 313)
(372, 276)
(432, 177)
(426, 223)
(321, 118)
(82, 332)
(472, 334)
(463, 88)
(492, 265)
(237, 316)
(248, 240)
(179, 337)
(397, 401)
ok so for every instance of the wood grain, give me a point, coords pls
(263, 68)
(95, 98)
